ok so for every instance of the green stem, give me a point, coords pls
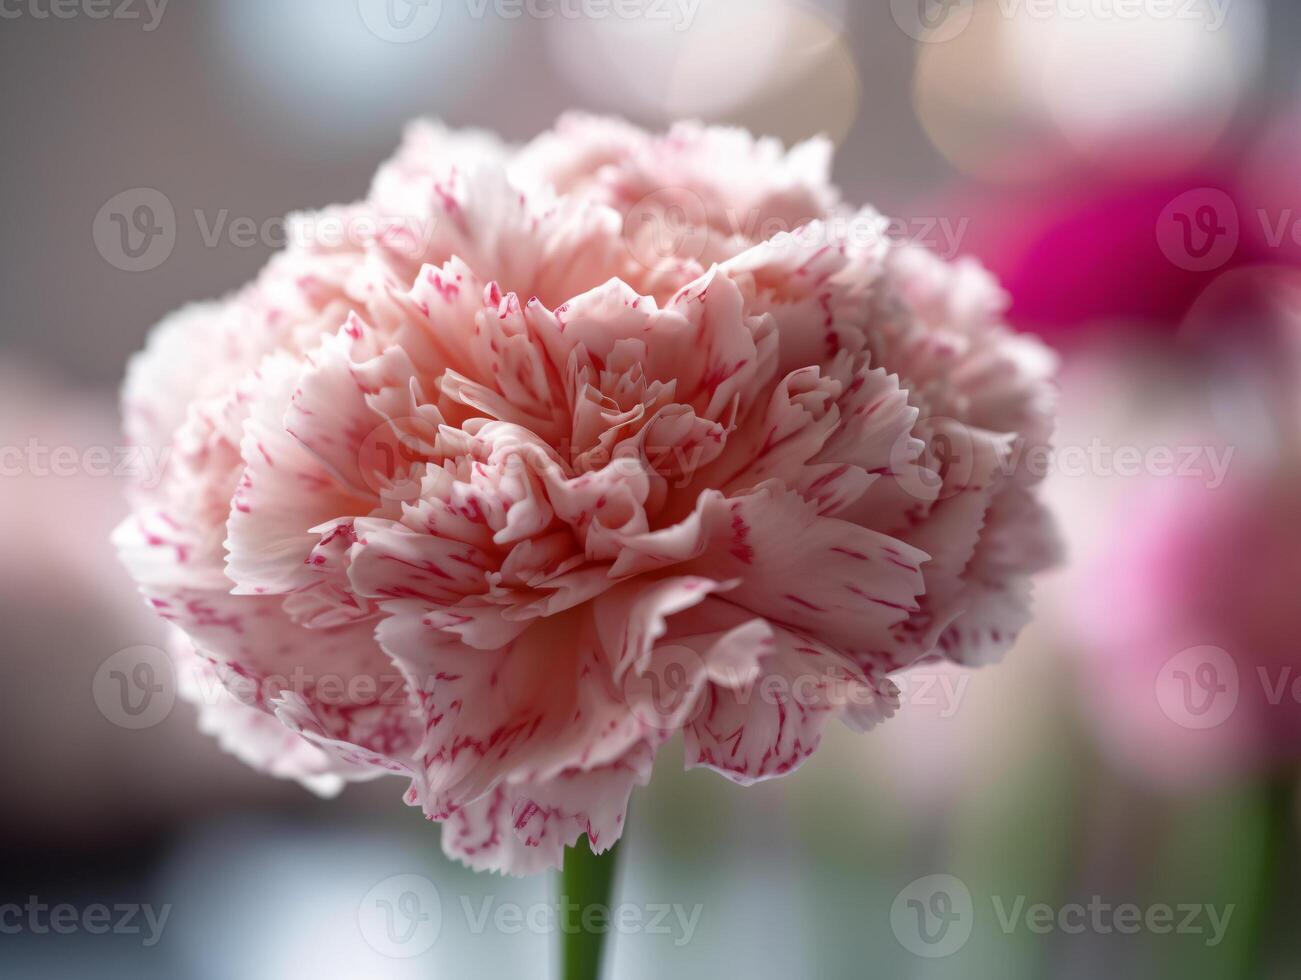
(1234, 847)
(1272, 871)
(586, 884)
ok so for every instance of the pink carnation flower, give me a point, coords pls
(556, 452)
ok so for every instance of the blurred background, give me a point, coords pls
(1117, 798)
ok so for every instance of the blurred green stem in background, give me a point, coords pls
(1273, 871)
(587, 882)
(1235, 848)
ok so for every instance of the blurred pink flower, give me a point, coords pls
(1197, 632)
(556, 452)
(48, 427)
(1184, 602)
(1077, 255)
